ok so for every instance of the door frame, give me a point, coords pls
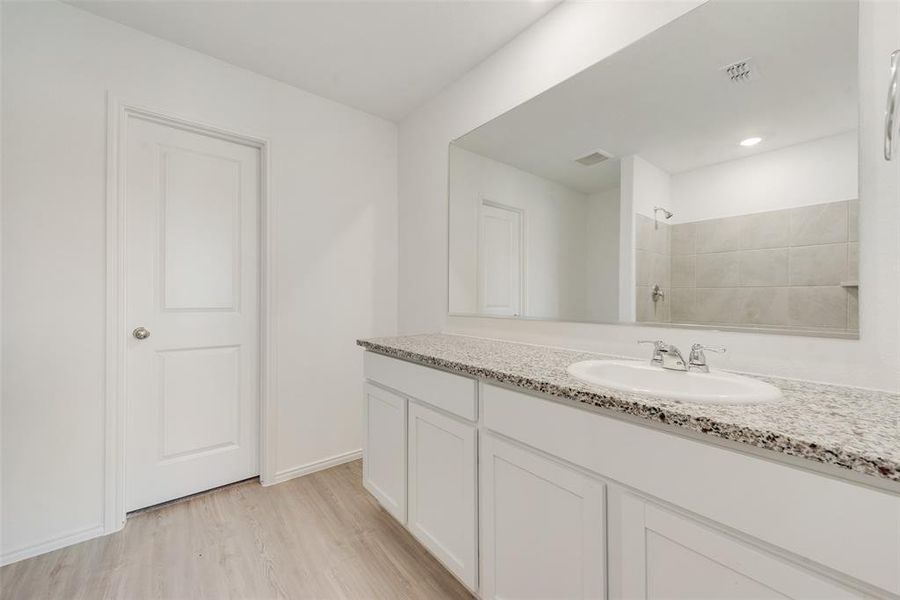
(118, 113)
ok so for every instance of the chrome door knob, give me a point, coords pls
(141, 333)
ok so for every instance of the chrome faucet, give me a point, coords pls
(666, 355)
(697, 357)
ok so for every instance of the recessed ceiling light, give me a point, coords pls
(751, 141)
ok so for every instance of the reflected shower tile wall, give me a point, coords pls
(718, 235)
(853, 218)
(853, 261)
(718, 269)
(819, 265)
(767, 267)
(820, 224)
(786, 269)
(684, 239)
(653, 266)
(684, 270)
(765, 230)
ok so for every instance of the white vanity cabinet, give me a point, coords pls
(521, 496)
(542, 526)
(826, 532)
(425, 428)
(384, 453)
(442, 493)
(666, 555)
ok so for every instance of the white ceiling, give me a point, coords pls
(383, 57)
(666, 98)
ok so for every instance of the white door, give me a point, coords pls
(542, 526)
(499, 260)
(441, 511)
(669, 556)
(192, 281)
(384, 453)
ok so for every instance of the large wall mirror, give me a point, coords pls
(704, 176)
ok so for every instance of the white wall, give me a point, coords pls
(652, 187)
(333, 180)
(603, 256)
(644, 187)
(572, 37)
(554, 244)
(819, 171)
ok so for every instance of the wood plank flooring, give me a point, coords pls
(319, 536)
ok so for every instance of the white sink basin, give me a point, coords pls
(715, 387)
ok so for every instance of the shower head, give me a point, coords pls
(667, 214)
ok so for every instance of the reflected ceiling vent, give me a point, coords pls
(742, 70)
(594, 158)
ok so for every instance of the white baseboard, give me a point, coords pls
(82, 535)
(56, 543)
(286, 474)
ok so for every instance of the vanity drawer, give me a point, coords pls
(850, 528)
(452, 393)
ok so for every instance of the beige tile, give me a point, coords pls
(683, 238)
(643, 232)
(853, 261)
(643, 304)
(853, 221)
(770, 229)
(643, 263)
(764, 267)
(819, 224)
(661, 308)
(660, 238)
(660, 270)
(649, 311)
(718, 235)
(853, 309)
(684, 270)
(765, 306)
(681, 307)
(819, 265)
(717, 305)
(721, 269)
(818, 307)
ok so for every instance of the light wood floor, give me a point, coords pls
(319, 536)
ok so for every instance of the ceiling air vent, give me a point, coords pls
(593, 158)
(742, 70)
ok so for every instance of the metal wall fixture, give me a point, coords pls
(890, 111)
(667, 214)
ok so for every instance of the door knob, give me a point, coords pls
(141, 333)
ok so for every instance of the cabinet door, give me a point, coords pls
(442, 495)
(667, 555)
(384, 453)
(542, 526)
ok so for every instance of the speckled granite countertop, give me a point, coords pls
(851, 428)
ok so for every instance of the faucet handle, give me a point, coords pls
(697, 358)
(713, 348)
(656, 343)
(658, 347)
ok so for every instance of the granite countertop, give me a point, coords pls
(852, 428)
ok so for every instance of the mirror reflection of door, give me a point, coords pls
(500, 259)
